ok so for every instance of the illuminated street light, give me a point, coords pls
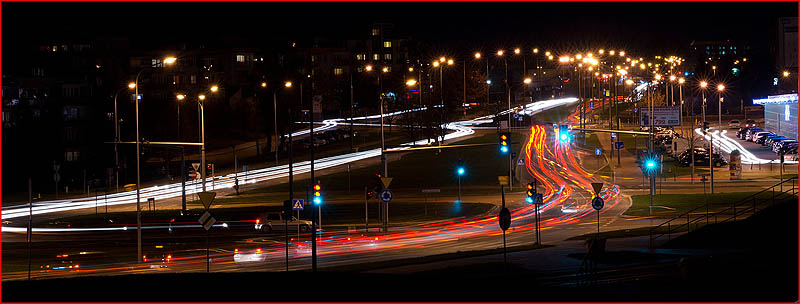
(578, 56)
(516, 51)
(411, 69)
(385, 69)
(601, 51)
(442, 59)
(435, 64)
(131, 85)
(288, 84)
(629, 82)
(527, 81)
(703, 84)
(180, 96)
(500, 53)
(368, 68)
(263, 84)
(672, 77)
(536, 51)
(721, 87)
(215, 88)
(411, 82)
(170, 60)
(611, 52)
(478, 55)
(786, 74)
(621, 53)
(681, 80)
(450, 62)
(201, 97)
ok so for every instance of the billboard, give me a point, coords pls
(661, 117)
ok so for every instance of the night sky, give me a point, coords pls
(639, 27)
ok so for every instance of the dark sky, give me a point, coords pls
(635, 26)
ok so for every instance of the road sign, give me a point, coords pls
(597, 187)
(703, 177)
(619, 145)
(538, 198)
(196, 166)
(503, 180)
(597, 203)
(504, 218)
(514, 155)
(207, 220)
(297, 204)
(598, 151)
(56, 177)
(207, 198)
(614, 135)
(661, 117)
(521, 162)
(431, 190)
(386, 181)
(386, 195)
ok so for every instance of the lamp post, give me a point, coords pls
(168, 60)
(380, 100)
(488, 82)
(116, 133)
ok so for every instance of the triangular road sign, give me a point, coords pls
(597, 187)
(521, 162)
(386, 181)
(196, 166)
(207, 198)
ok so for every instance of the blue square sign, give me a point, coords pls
(598, 151)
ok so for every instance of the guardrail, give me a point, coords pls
(738, 210)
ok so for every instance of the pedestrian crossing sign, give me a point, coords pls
(520, 162)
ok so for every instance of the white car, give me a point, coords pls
(733, 124)
(273, 221)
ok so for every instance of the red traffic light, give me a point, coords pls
(503, 137)
(317, 187)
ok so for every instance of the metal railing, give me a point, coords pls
(712, 213)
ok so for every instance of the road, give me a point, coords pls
(566, 212)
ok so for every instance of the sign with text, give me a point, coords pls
(661, 116)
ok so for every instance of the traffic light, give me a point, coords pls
(317, 195)
(530, 193)
(563, 133)
(651, 163)
(209, 169)
(505, 142)
(460, 170)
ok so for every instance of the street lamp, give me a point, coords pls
(169, 61)
(116, 132)
(380, 98)
(786, 74)
(287, 84)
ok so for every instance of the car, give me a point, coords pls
(733, 124)
(762, 136)
(742, 132)
(790, 148)
(273, 221)
(749, 123)
(770, 138)
(776, 145)
(758, 135)
(701, 158)
(750, 132)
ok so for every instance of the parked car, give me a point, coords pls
(762, 136)
(273, 221)
(748, 136)
(790, 148)
(757, 135)
(780, 143)
(750, 123)
(701, 158)
(771, 138)
(733, 124)
(742, 132)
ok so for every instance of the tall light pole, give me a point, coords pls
(720, 89)
(168, 60)
(116, 133)
(368, 68)
(488, 82)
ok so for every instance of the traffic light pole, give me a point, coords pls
(291, 188)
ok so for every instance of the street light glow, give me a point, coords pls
(214, 88)
(516, 51)
(450, 62)
(263, 84)
(671, 77)
(435, 64)
(385, 69)
(411, 82)
(288, 84)
(681, 80)
(442, 59)
(527, 81)
(720, 87)
(180, 96)
(500, 53)
(170, 60)
(536, 51)
(563, 59)
(785, 73)
(131, 85)
(478, 55)
(201, 97)
(629, 82)
(703, 84)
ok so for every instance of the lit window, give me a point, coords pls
(239, 58)
(387, 56)
(387, 44)
(338, 71)
(361, 56)
(313, 58)
(360, 69)
(155, 62)
(376, 32)
(376, 57)
(193, 79)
